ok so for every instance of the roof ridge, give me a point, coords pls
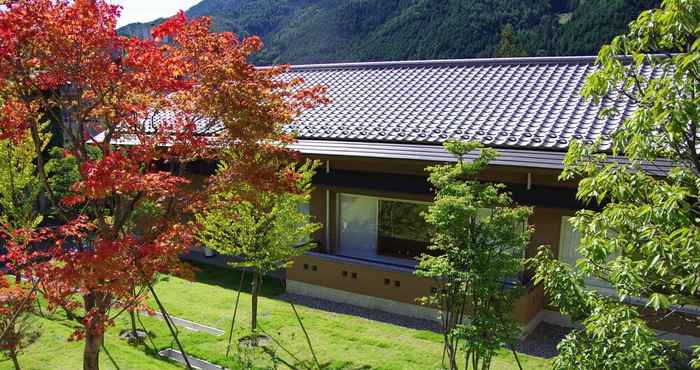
(448, 62)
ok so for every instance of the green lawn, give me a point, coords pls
(340, 341)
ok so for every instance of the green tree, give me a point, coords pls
(19, 189)
(509, 46)
(63, 170)
(19, 185)
(263, 228)
(644, 241)
(476, 254)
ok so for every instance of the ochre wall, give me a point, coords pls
(547, 224)
(368, 280)
(365, 279)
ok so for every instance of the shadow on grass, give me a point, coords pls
(273, 287)
(229, 278)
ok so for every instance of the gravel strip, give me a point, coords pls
(541, 342)
(369, 314)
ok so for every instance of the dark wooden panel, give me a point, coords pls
(545, 196)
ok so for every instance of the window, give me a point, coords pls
(483, 214)
(383, 229)
(568, 252)
(570, 239)
(358, 226)
(304, 208)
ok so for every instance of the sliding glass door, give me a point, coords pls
(382, 229)
(358, 226)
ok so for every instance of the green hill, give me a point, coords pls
(319, 31)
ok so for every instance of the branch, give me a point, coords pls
(18, 311)
(127, 212)
(42, 171)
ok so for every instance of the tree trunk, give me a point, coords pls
(254, 302)
(91, 353)
(13, 356)
(132, 316)
(94, 332)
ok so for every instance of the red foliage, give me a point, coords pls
(15, 302)
(125, 223)
(13, 295)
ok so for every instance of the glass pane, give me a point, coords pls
(358, 226)
(570, 239)
(304, 208)
(483, 214)
(569, 253)
(403, 231)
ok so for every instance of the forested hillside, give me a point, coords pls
(316, 31)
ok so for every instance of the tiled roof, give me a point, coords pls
(516, 103)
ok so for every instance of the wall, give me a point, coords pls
(385, 282)
(360, 277)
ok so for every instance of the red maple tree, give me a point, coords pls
(177, 97)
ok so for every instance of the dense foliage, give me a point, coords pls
(476, 253)
(361, 30)
(124, 219)
(261, 230)
(644, 242)
(19, 186)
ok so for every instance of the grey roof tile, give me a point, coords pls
(516, 103)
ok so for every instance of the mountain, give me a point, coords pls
(320, 31)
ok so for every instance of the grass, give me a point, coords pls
(340, 341)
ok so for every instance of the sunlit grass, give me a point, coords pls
(340, 341)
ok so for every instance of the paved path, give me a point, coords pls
(195, 362)
(190, 325)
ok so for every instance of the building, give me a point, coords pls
(386, 123)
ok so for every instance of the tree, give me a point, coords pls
(62, 171)
(17, 330)
(477, 250)
(509, 46)
(169, 100)
(19, 187)
(265, 229)
(644, 240)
